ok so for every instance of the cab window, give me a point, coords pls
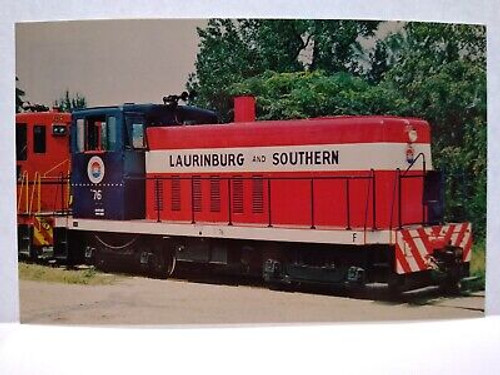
(39, 139)
(111, 135)
(21, 142)
(138, 135)
(80, 135)
(98, 133)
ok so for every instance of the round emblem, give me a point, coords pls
(410, 154)
(95, 169)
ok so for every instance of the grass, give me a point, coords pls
(478, 264)
(90, 276)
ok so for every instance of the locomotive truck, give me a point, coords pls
(335, 200)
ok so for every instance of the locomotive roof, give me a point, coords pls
(345, 129)
(42, 115)
(157, 114)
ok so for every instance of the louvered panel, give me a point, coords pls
(197, 194)
(238, 195)
(257, 195)
(214, 194)
(176, 194)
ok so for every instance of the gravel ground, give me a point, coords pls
(139, 300)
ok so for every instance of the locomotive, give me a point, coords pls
(348, 200)
(42, 167)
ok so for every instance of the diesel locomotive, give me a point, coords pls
(42, 167)
(335, 200)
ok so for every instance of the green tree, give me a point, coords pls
(317, 94)
(68, 102)
(234, 50)
(441, 71)
(378, 63)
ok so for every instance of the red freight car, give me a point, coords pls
(329, 200)
(43, 164)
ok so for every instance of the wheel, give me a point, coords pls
(161, 264)
(395, 285)
(171, 263)
(452, 284)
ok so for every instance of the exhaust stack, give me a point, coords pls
(244, 109)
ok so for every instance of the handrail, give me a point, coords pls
(68, 192)
(400, 177)
(421, 154)
(30, 193)
(55, 167)
(158, 201)
(371, 188)
(24, 184)
(395, 188)
(37, 185)
(56, 195)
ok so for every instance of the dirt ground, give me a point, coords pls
(139, 300)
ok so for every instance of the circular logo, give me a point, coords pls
(95, 169)
(410, 154)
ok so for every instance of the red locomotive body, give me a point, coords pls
(322, 173)
(43, 165)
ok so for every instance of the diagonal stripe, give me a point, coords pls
(401, 261)
(425, 240)
(38, 239)
(45, 234)
(467, 235)
(414, 251)
(449, 233)
(467, 250)
(436, 230)
(461, 235)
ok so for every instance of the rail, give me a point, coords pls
(400, 178)
(35, 195)
(62, 197)
(37, 187)
(23, 191)
(347, 180)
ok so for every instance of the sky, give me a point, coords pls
(113, 61)
(108, 62)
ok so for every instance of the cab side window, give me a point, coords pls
(138, 135)
(39, 139)
(97, 133)
(80, 135)
(21, 142)
(135, 137)
(111, 136)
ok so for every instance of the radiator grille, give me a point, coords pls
(238, 195)
(214, 194)
(176, 194)
(258, 195)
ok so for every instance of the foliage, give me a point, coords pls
(426, 70)
(234, 50)
(316, 94)
(441, 70)
(478, 265)
(19, 98)
(68, 102)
